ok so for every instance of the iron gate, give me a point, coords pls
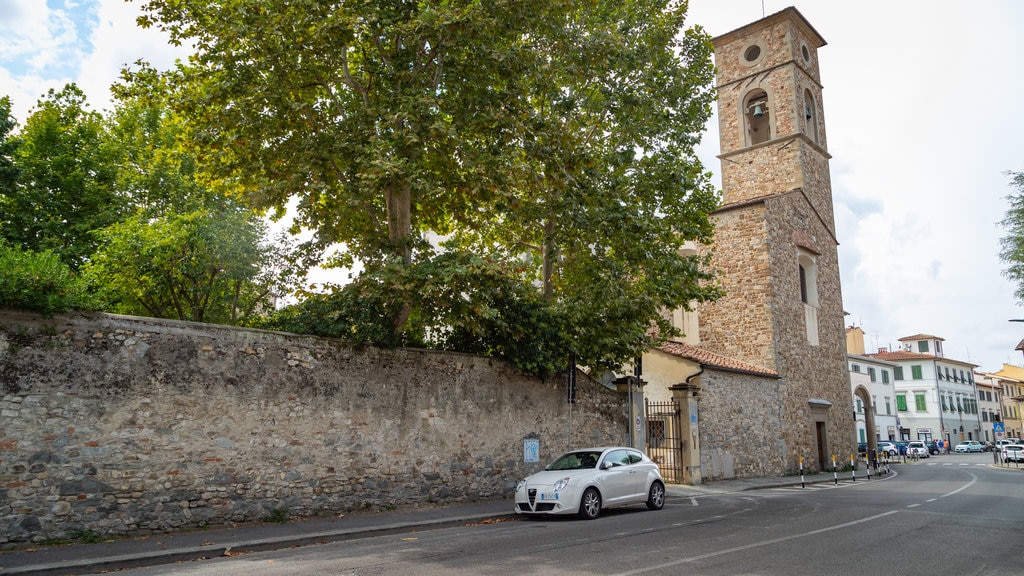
(664, 438)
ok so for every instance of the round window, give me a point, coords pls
(806, 53)
(753, 52)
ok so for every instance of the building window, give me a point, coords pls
(874, 405)
(757, 117)
(922, 346)
(938, 372)
(810, 117)
(856, 368)
(888, 405)
(901, 403)
(808, 271)
(920, 403)
(943, 398)
(885, 376)
(916, 373)
(897, 373)
(938, 348)
(984, 416)
(860, 406)
(871, 373)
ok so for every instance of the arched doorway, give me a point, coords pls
(865, 417)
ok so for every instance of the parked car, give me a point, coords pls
(969, 446)
(886, 447)
(988, 447)
(862, 448)
(586, 481)
(918, 449)
(1013, 453)
(933, 448)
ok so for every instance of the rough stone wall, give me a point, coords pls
(810, 371)
(742, 421)
(739, 325)
(122, 425)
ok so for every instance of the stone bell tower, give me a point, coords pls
(775, 242)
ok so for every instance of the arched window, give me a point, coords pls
(810, 117)
(757, 117)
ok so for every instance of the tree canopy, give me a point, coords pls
(553, 138)
(1012, 244)
(65, 180)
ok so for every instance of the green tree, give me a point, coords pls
(616, 188)
(1012, 244)
(8, 144)
(39, 281)
(206, 266)
(66, 178)
(555, 134)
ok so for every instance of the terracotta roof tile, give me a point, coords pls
(711, 359)
(922, 337)
(901, 355)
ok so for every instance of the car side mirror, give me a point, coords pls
(605, 465)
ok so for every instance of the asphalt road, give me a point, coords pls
(947, 515)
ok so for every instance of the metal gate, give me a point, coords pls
(664, 438)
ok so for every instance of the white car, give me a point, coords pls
(585, 481)
(1013, 453)
(969, 446)
(918, 449)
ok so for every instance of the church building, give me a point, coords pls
(758, 384)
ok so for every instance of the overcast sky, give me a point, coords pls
(921, 104)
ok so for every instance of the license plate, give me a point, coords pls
(553, 496)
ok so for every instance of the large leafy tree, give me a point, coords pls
(206, 266)
(1012, 244)
(556, 134)
(66, 174)
(8, 144)
(187, 251)
(616, 189)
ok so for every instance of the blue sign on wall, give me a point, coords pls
(531, 450)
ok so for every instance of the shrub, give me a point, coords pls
(39, 281)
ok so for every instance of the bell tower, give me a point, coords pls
(776, 250)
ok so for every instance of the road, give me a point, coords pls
(947, 515)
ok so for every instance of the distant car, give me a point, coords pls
(901, 446)
(1013, 453)
(584, 482)
(886, 447)
(988, 447)
(969, 446)
(918, 449)
(933, 448)
(862, 448)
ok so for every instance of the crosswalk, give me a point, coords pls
(846, 482)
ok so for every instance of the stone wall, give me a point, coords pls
(121, 425)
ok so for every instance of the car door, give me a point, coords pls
(616, 477)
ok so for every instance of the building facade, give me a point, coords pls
(936, 397)
(874, 396)
(765, 384)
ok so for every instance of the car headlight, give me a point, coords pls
(560, 484)
(521, 485)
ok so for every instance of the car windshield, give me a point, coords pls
(576, 461)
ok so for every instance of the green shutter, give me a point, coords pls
(897, 373)
(901, 403)
(920, 402)
(916, 371)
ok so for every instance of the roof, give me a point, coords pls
(771, 18)
(921, 337)
(902, 355)
(899, 355)
(708, 359)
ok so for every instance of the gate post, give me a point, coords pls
(687, 397)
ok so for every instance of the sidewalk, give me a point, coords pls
(193, 545)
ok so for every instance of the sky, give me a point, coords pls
(921, 110)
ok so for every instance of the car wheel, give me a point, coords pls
(590, 504)
(892, 453)
(656, 496)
